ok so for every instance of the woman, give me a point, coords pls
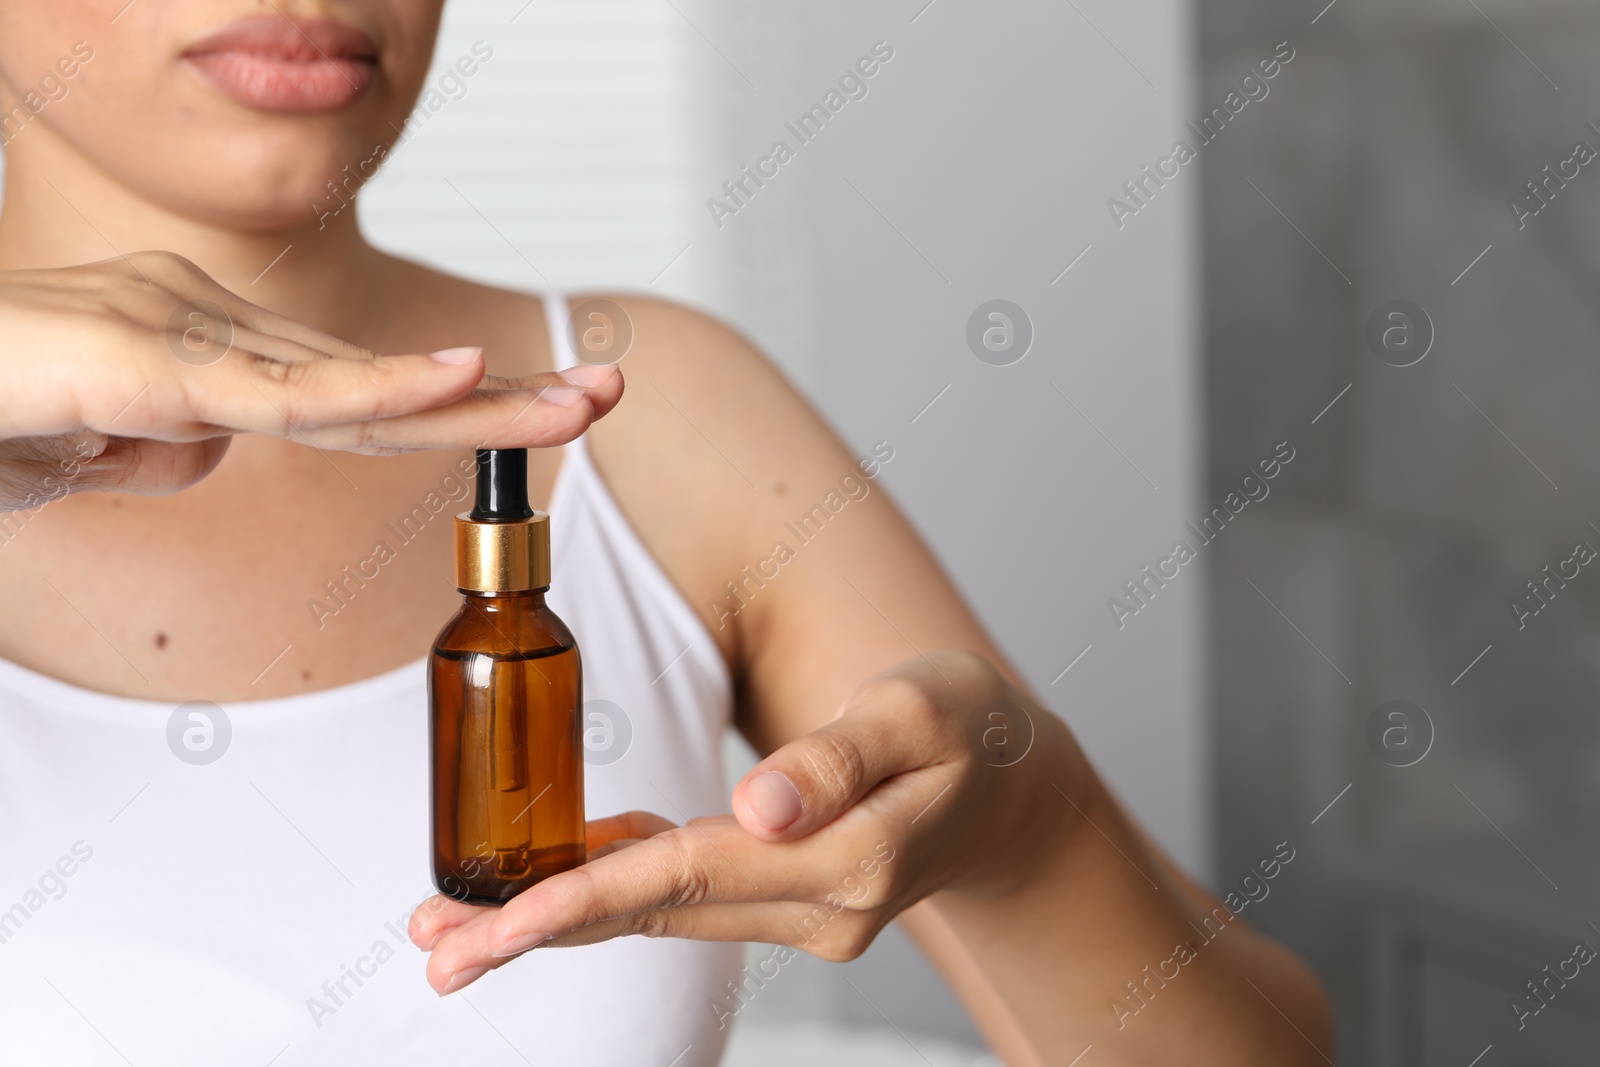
(212, 713)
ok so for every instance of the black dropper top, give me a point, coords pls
(502, 486)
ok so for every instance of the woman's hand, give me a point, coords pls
(132, 374)
(920, 784)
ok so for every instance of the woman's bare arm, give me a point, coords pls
(1042, 967)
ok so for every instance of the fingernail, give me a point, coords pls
(456, 356)
(565, 395)
(589, 375)
(772, 800)
(521, 944)
(462, 978)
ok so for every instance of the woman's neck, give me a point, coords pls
(59, 209)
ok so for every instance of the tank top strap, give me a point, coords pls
(563, 356)
(562, 353)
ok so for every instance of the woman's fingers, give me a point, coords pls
(273, 396)
(636, 825)
(153, 348)
(669, 869)
(382, 404)
(35, 470)
(823, 931)
(784, 922)
(460, 955)
(539, 411)
(249, 392)
(150, 468)
(246, 320)
(829, 930)
(440, 914)
(709, 880)
(285, 349)
(601, 381)
(141, 369)
(708, 861)
(437, 916)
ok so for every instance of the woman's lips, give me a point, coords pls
(273, 63)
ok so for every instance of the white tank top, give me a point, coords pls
(252, 910)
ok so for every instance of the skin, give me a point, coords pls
(862, 678)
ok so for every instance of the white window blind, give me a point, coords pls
(567, 154)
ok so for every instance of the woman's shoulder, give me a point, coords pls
(701, 400)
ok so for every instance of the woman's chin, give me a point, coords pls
(269, 212)
(255, 185)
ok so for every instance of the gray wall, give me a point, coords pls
(1417, 507)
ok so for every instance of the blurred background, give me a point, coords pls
(1333, 271)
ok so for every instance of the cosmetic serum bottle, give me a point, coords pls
(506, 693)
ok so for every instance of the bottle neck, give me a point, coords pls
(518, 600)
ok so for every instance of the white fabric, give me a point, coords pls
(215, 901)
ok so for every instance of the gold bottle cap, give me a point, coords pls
(502, 557)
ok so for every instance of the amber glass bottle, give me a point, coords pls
(506, 690)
